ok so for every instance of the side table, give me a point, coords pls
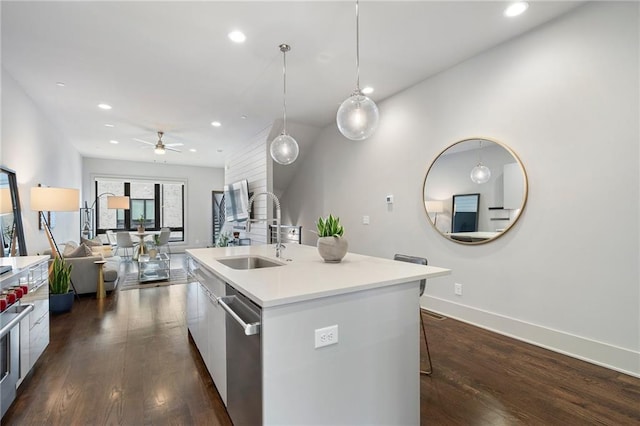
(101, 293)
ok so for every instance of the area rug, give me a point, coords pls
(130, 282)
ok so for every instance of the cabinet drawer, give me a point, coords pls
(38, 339)
(40, 301)
(214, 284)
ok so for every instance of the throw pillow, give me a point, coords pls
(91, 243)
(104, 251)
(81, 251)
(69, 247)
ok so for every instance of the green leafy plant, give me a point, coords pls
(330, 227)
(223, 239)
(141, 220)
(60, 276)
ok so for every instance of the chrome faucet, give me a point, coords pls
(279, 246)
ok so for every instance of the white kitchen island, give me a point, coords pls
(370, 376)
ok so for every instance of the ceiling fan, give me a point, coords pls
(160, 147)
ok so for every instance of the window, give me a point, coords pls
(159, 204)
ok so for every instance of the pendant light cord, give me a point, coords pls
(357, 49)
(284, 48)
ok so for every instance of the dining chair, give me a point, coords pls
(123, 239)
(163, 239)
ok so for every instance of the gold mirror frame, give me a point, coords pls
(489, 210)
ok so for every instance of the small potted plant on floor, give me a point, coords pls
(332, 246)
(60, 296)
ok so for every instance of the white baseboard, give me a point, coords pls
(599, 353)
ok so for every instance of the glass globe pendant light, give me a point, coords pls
(284, 148)
(480, 174)
(357, 117)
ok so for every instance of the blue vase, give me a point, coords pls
(60, 303)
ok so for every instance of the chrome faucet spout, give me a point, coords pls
(270, 194)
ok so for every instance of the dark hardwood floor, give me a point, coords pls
(128, 360)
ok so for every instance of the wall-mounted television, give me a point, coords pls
(236, 201)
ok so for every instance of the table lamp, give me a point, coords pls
(434, 206)
(6, 205)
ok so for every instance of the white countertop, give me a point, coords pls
(21, 262)
(306, 276)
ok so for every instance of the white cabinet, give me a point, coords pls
(513, 186)
(206, 322)
(192, 307)
(34, 329)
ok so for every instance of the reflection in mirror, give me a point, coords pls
(475, 211)
(465, 213)
(12, 234)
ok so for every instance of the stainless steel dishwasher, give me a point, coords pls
(244, 360)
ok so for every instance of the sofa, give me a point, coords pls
(84, 273)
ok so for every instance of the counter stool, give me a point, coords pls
(423, 284)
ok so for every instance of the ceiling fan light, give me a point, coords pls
(160, 150)
(357, 117)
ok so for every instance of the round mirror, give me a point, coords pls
(475, 191)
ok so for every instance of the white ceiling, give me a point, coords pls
(169, 65)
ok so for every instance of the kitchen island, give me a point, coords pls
(335, 343)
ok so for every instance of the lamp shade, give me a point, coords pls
(54, 199)
(6, 205)
(118, 202)
(434, 206)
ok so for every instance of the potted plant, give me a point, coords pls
(141, 224)
(60, 296)
(332, 246)
(223, 239)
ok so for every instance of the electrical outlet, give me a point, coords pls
(326, 336)
(457, 289)
(365, 220)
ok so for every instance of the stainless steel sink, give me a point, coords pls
(248, 262)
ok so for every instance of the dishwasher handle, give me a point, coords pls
(249, 329)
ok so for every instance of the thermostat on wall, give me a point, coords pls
(389, 199)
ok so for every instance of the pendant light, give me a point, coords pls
(284, 148)
(480, 174)
(357, 117)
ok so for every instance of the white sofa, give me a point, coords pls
(84, 272)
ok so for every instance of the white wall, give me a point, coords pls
(565, 98)
(251, 161)
(200, 181)
(39, 153)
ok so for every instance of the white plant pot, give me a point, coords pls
(332, 249)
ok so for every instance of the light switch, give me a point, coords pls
(389, 199)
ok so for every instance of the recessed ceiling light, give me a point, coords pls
(516, 9)
(367, 90)
(104, 106)
(219, 150)
(192, 149)
(109, 125)
(237, 36)
(244, 117)
(60, 84)
(216, 124)
(114, 142)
